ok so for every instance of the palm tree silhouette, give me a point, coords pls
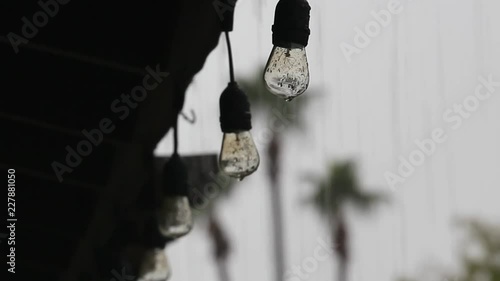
(487, 237)
(337, 190)
(484, 266)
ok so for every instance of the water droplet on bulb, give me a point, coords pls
(289, 99)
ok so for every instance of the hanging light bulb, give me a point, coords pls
(154, 266)
(238, 157)
(175, 217)
(287, 70)
(178, 219)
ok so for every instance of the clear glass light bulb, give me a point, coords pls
(239, 157)
(287, 72)
(175, 216)
(154, 266)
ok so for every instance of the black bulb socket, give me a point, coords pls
(175, 177)
(291, 23)
(235, 113)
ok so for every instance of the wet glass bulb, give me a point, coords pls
(287, 72)
(175, 216)
(239, 157)
(155, 266)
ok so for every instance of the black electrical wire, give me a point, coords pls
(176, 139)
(230, 54)
(178, 104)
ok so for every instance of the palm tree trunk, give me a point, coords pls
(277, 216)
(222, 270)
(342, 270)
(341, 247)
(278, 231)
(220, 246)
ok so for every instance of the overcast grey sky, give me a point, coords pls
(394, 92)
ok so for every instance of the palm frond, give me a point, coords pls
(341, 187)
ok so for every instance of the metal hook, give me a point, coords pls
(191, 120)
